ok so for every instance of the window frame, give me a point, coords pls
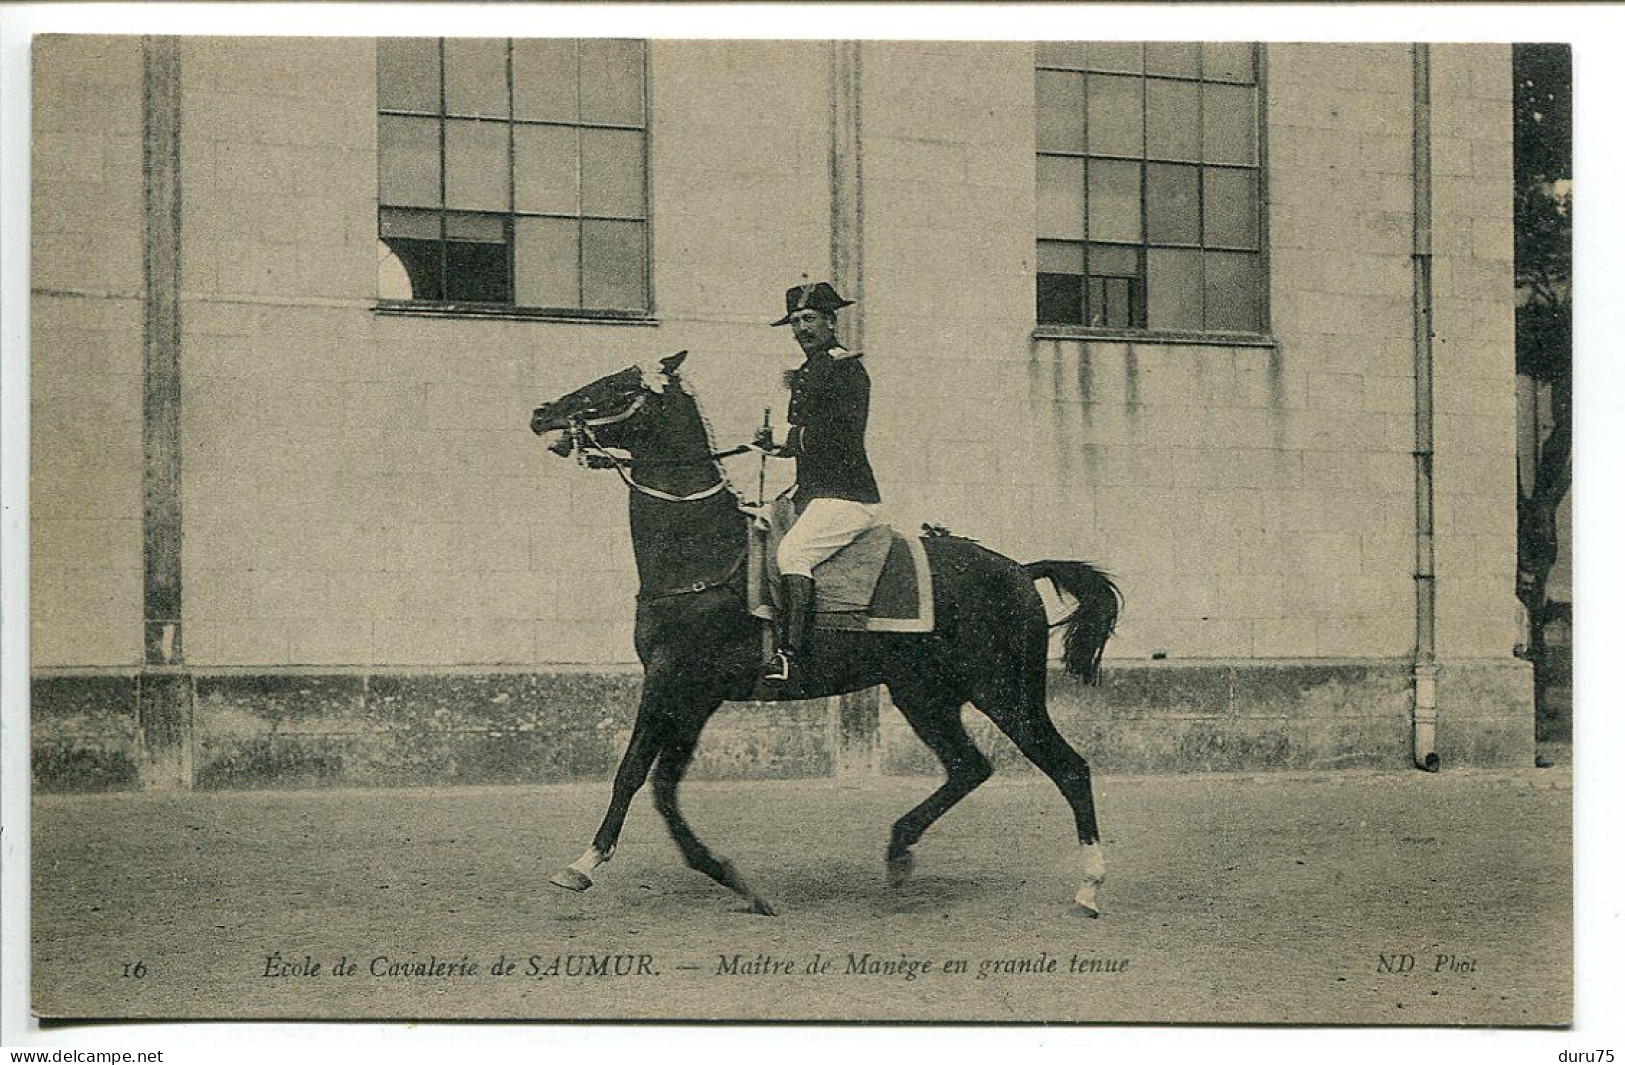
(1264, 335)
(454, 308)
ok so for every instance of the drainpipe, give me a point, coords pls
(164, 698)
(1425, 667)
(857, 715)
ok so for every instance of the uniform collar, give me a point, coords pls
(834, 353)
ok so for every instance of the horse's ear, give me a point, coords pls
(669, 364)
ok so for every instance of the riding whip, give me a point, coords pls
(761, 476)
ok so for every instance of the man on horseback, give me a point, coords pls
(694, 635)
(835, 495)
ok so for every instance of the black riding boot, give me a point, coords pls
(791, 627)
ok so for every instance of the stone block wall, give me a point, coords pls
(86, 371)
(364, 505)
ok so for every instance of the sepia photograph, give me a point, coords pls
(696, 529)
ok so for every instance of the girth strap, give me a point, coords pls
(698, 586)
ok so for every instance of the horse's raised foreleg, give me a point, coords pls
(675, 757)
(1025, 719)
(647, 732)
(935, 718)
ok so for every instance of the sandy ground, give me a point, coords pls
(1230, 898)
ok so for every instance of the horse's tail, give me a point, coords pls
(1092, 621)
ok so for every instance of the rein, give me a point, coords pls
(586, 438)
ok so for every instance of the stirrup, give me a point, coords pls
(777, 667)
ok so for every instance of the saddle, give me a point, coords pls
(880, 582)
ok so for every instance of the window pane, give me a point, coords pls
(1060, 299)
(476, 77)
(1114, 200)
(1060, 282)
(1173, 58)
(1116, 116)
(1060, 111)
(1060, 257)
(1175, 284)
(1094, 301)
(1172, 206)
(1117, 303)
(1069, 54)
(488, 228)
(476, 165)
(1173, 120)
(409, 74)
(419, 225)
(612, 265)
(1230, 201)
(545, 170)
(1060, 198)
(1115, 55)
(612, 82)
(1232, 291)
(1228, 61)
(612, 173)
(546, 258)
(1229, 117)
(408, 161)
(544, 80)
(1113, 260)
(477, 272)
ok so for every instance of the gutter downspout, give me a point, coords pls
(1425, 667)
(857, 714)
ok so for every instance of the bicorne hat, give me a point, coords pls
(819, 295)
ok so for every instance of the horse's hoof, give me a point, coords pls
(761, 906)
(1086, 903)
(573, 879)
(899, 868)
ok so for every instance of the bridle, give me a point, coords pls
(593, 454)
(583, 440)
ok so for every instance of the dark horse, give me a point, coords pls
(699, 647)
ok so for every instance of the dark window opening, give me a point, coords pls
(477, 273)
(1060, 297)
(421, 261)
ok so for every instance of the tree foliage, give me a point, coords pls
(1543, 265)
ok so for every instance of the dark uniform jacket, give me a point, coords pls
(829, 411)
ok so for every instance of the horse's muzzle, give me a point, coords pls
(544, 421)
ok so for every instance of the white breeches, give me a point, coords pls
(826, 526)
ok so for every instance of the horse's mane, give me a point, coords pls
(710, 434)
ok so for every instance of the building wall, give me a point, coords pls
(364, 489)
(1476, 376)
(86, 274)
(363, 501)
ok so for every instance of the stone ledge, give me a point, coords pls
(306, 728)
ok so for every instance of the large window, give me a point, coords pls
(1148, 187)
(512, 174)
